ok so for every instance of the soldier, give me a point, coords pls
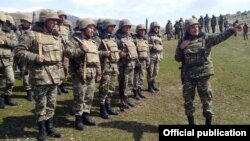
(176, 30)
(181, 23)
(226, 24)
(156, 48)
(43, 50)
(127, 62)
(194, 53)
(85, 70)
(109, 54)
(25, 32)
(8, 42)
(206, 23)
(64, 30)
(213, 23)
(99, 27)
(143, 61)
(169, 29)
(245, 31)
(201, 21)
(221, 22)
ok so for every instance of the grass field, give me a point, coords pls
(231, 102)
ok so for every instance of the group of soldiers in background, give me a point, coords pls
(48, 50)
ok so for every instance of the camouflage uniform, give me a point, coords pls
(169, 29)
(85, 67)
(43, 75)
(9, 40)
(245, 31)
(176, 30)
(197, 68)
(201, 21)
(213, 23)
(181, 23)
(206, 23)
(127, 62)
(109, 81)
(156, 50)
(221, 22)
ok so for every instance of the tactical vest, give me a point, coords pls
(194, 53)
(113, 48)
(50, 47)
(143, 49)
(130, 48)
(157, 43)
(92, 55)
(5, 52)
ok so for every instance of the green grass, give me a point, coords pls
(231, 102)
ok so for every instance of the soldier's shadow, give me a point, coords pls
(14, 127)
(134, 127)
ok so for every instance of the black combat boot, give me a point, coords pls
(110, 110)
(2, 105)
(136, 95)
(58, 91)
(150, 88)
(29, 95)
(191, 120)
(208, 121)
(63, 89)
(153, 83)
(7, 101)
(86, 120)
(51, 131)
(129, 103)
(140, 94)
(103, 112)
(78, 123)
(42, 136)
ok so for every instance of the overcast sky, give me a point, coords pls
(135, 10)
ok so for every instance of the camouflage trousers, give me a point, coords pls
(8, 74)
(140, 75)
(205, 94)
(126, 79)
(45, 98)
(83, 94)
(153, 70)
(26, 83)
(206, 28)
(66, 67)
(108, 86)
(245, 35)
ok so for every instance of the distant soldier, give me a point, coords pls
(193, 51)
(226, 24)
(99, 27)
(213, 23)
(156, 50)
(25, 33)
(109, 57)
(221, 22)
(201, 21)
(177, 30)
(8, 42)
(127, 62)
(206, 23)
(245, 31)
(43, 50)
(85, 69)
(169, 29)
(143, 61)
(181, 23)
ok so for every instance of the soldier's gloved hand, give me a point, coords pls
(40, 58)
(107, 53)
(184, 44)
(98, 78)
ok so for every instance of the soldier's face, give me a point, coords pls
(25, 24)
(62, 18)
(50, 24)
(194, 30)
(111, 29)
(142, 33)
(156, 29)
(126, 29)
(89, 31)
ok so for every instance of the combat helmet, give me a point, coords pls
(47, 14)
(190, 22)
(2, 16)
(10, 19)
(84, 23)
(107, 22)
(124, 22)
(154, 24)
(61, 13)
(140, 27)
(26, 18)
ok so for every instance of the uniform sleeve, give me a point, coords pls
(214, 40)
(12, 41)
(179, 53)
(72, 49)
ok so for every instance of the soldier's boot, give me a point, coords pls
(140, 93)
(150, 88)
(29, 95)
(127, 101)
(103, 112)
(8, 101)
(110, 110)
(2, 105)
(136, 95)
(208, 121)
(78, 123)
(51, 131)
(58, 91)
(63, 89)
(153, 83)
(191, 120)
(42, 136)
(86, 120)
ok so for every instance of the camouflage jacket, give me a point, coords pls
(47, 44)
(206, 69)
(142, 51)
(153, 40)
(6, 50)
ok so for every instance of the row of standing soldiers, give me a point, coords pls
(116, 60)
